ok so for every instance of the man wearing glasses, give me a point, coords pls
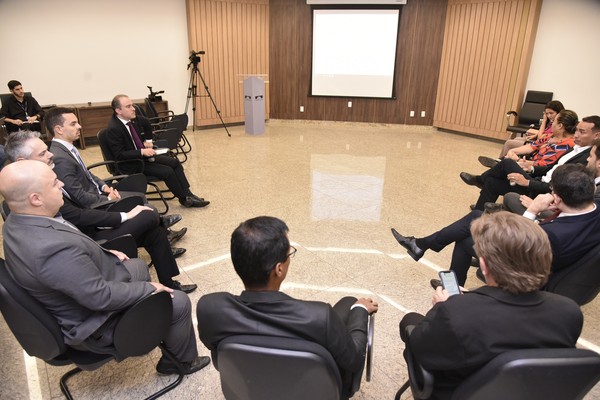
(573, 229)
(261, 253)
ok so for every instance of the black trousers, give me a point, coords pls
(458, 233)
(171, 171)
(147, 232)
(496, 184)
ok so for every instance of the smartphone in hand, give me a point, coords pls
(449, 282)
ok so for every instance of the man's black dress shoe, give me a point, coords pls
(193, 202)
(409, 243)
(488, 161)
(196, 197)
(178, 251)
(176, 285)
(166, 367)
(174, 236)
(435, 283)
(167, 221)
(490, 207)
(473, 180)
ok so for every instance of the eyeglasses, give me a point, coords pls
(293, 252)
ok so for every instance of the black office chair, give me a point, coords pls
(266, 367)
(114, 168)
(167, 117)
(530, 114)
(530, 374)
(140, 329)
(580, 281)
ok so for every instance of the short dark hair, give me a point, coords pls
(15, 147)
(257, 246)
(555, 105)
(593, 119)
(54, 117)
(569, 120)
(597, 151)
(574, 185)
(13, 84)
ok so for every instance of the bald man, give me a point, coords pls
(83, 285)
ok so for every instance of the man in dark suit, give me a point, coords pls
(510, 176)
(20, 111)
(572, 235)
(462, 333)
(261, 252)
(141, 222)
(130, 141)
(83, 285)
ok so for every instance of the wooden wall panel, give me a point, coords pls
(485, 59)
(235, 36)
(417, 67)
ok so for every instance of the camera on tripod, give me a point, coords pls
(153, 95)
(195, 58)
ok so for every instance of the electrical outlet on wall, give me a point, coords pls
(301, 108)
(349, 104)
(412, 113)
(422, 114)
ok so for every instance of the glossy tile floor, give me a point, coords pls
(340, 187)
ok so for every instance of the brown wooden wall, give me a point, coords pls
(485, 62)
(417, 68)
(235, 36)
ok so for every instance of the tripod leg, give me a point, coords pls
(213, 103)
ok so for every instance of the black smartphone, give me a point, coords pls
(449, 282)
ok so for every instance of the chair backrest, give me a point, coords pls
(107, 153)
(144, 325)
(34, 327)
(150, 109)
(534, 374)
(533, 107)
(6, 96)
(580, 281)
(266, 367)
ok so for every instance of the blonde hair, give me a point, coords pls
(516, 251)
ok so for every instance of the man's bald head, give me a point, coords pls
(31, 187)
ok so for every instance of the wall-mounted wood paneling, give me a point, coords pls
(235, 36)
(485, 61)
(417, 67)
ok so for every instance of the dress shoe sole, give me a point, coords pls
(487, 161)
(175, 236)
(178, 252)
(406, 246)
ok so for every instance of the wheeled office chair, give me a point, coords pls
(530, 114)
(530, 374)
(266, 367)
(113, 168)
(140, 329)
(580, 281)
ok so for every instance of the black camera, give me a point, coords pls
(195, 57)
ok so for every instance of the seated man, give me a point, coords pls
(572, 235)
(141, 222)
(20, 111)
(501, 178)
(129, 141)
(83, 285)
(261, 252)
(83, 187)
(462, 333)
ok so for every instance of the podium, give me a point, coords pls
(254, 105)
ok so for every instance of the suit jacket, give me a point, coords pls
(71, 173)
(80, 283)
(458, 336)
(121, 143)
(536, 186)
(88, 219)
(572, 237)
(272, 313)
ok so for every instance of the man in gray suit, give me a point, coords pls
(83, 187)
(83, 285)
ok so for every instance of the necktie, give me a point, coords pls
(134, 135)
(551, 218)
(87, 173)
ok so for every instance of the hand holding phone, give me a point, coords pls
(449, 282)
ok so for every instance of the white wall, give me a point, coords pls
(566, 59)
(67, 51)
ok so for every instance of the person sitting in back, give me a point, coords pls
(20, 111)
(462, 333)
(261, 253)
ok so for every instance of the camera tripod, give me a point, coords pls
(192, 90)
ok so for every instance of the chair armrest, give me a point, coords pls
(370, 337)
